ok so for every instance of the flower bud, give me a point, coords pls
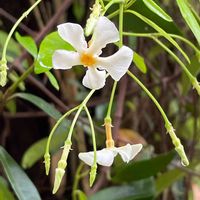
(93, 173)
(3, 72)
(196, 85)
(92, 20)
(47, 162)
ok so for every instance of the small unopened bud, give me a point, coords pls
(47, 162)
(92, 20)
(62, 164)
(178, 146)
(58, 178)
(93, 174)
(3, 72)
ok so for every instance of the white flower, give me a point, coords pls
(106, 156)
(104, 33)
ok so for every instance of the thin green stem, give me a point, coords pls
(150, 95)
(76, 181)
(81, 106)
(24, 15)
(121, 7)
(56, 126)
(160, 30)
(13, 87)
(149, 35)
(111, 100)
(94, 165)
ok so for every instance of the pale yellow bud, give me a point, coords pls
(93, 174)
(3, 72)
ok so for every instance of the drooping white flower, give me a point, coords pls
(104, 33)
(106, 156)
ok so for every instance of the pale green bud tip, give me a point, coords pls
(3, 72)
(196, 85)
(58, 178)
(47, 161)
(181, 152)
(178, 146)
(94, 16)
(93, 173)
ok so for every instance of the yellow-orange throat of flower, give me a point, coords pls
(87, 59)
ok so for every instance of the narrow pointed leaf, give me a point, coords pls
(157, 10)
(20, 182)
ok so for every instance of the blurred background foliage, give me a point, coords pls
(27, 118)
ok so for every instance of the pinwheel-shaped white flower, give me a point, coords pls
(104, 33)
(106, 156)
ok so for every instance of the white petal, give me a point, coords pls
(73, 34)
(63, 59)
(105, 157)
(94, 79)
(128, 152)
(105, 32)
(117, 64)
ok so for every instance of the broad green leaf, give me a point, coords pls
(189, 18)
(138, 190)
(5, 193)
(142, 169)
(52, 80)
(50, 43)
(167, 179)
(157, 10)
(21, 184)
(28, 43)
(40, 103)
(139, 62)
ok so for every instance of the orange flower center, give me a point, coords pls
(87, 59)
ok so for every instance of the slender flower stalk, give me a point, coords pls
(175, 140)
(3, 62)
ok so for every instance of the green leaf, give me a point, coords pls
(40, 103)
(161, 31)
(52, 80)
(5, 193)
(21, 184)
(50, 43)
(36, 151)
(167, 179)
(189, 18)
(81, 195)
(139, 190)
(139, 62)
(157, 10)
(28, 43)
(142, 169)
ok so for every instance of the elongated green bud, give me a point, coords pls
(3, 72)
(178, 146)
(92, 20)
(47, 162)
(62, 164)
(93, 174)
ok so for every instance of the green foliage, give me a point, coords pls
(138, 190)
(28, 43)
(142, 169)
(21, 184)
(48, 45)
(139, 62)
(52, 80)
(5, 193)
(189, 18)
(157, 10)
(166, 179)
